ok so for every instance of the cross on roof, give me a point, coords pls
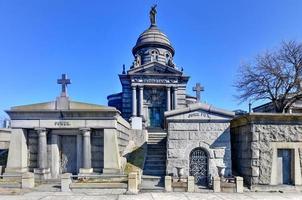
(64, 81)
(198, 88)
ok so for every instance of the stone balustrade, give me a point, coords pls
(27, 180)
(219, 186)
(185, 184)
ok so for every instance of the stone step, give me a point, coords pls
(157, 153)
(155, 163)
(157, 136)
(98, 185)
(157, 140)
(149, 189)
(162, 144)
(155, 172)
(156, 146)
(157, 150)
(155, 167)
(158, 159)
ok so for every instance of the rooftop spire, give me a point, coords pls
(153, 13)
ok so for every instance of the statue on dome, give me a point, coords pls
(153, 15)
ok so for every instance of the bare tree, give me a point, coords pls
(274, 76)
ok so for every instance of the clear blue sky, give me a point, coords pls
(90, 40)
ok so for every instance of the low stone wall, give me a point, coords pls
(256, 137)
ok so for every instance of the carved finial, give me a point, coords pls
(124, 69)
(153, 13)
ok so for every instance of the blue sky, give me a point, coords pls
(91, 40)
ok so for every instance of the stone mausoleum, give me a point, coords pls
(66, 136)
(154, 113)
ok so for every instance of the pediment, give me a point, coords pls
(200, 111)
(155, 68)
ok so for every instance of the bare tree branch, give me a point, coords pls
(274, 76)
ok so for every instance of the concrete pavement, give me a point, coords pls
(153, 196)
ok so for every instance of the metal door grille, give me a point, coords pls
(199, 166)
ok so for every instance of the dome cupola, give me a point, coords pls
(153, 45)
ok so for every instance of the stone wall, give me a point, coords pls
(184, 137)
(123, 134)
(255, 138)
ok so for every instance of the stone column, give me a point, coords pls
(141, 100)
(168, 98)
(86, 168)
(43, 171)
(55, 156)
(42, 148)
(175, 98)
(134, 103)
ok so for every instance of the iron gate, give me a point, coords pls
(199, 166)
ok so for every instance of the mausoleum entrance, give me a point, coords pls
(285, 166)
(199, 166)
(155, 104)
(68, 154)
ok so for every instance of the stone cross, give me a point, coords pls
(198, 88)
(64, 81)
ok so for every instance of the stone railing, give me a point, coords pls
(68, 182)
(26, 179)
(179, 185)
(228, 184)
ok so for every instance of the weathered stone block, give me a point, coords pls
(213, 126)
(176, 153)
(184, 126)
(199, 136)
(28, 180)
(255, 153)
(176, 144)
(65, 182)
(239, 184)
(255, 171)
(168, 183)
(255, 136)
(191, 184)
(132, 183)
(216, 184)
(175, 135)
(219, 153)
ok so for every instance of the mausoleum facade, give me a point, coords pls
(65, 136)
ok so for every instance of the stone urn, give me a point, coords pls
(221, 170)
(180, 172)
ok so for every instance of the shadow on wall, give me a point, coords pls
(136, 159)
(222, 150)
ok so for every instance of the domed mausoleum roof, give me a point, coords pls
(152, 37)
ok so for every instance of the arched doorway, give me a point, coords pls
(199, 166)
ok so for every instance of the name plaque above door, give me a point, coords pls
(62, 123)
